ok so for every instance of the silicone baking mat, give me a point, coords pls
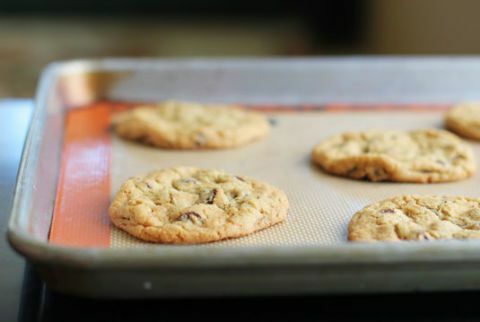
(95, 163)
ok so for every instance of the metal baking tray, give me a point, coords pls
(148, 270)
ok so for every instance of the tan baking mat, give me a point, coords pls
(321, 204)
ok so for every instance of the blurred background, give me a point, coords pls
(36, 32)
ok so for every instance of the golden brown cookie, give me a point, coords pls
(186, 205)
(180, 125)
(417, 218)
(464, 119)
(416, 156)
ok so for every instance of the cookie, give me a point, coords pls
(417, 218)
(186, 205)
(464, 119)
(179, 125)
(417, 156)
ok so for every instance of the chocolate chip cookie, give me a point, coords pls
(180, 125)
(186, 205)
(417, 218)
(464, 119)
(417, 156)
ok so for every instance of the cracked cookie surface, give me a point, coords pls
(464, 119)
(187, 205)
(417, 218)
(417, 156)
(181, 125)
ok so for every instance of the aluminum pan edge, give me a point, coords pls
(439, 79)
(157, 256)
(29, 159)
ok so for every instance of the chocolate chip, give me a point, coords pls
(211, 197)
(387, 211)
(426, 171)
(457, 157)
(352, 171)
(189, 216)
(379, 174)
(272, 121)
(425, 236)
(239, 178)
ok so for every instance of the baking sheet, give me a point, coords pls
(77, 248)
(320, 204)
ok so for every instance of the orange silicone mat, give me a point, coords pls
(95, 163)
